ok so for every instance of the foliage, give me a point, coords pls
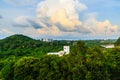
(27, 68)
(7, 70)
(23, 58)
(20, 45)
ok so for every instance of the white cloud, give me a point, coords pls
(100, 28)
(62, 18)
(63, 14)
(25, 21)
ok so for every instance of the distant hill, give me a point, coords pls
(15, 41)
(20, 45)
(18, 37)
(117, 43)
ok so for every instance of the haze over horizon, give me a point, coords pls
(60, 19)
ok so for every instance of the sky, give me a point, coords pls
(60, 19)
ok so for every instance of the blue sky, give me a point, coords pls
(60, 19)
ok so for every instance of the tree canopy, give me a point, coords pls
(23, 58)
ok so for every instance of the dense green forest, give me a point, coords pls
(20, 45)
(24, 58)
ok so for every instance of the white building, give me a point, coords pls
(46, 40)
(66, 50)
(108, 46)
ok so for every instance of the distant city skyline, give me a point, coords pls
(60, 19)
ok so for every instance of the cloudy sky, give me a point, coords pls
(60, 19)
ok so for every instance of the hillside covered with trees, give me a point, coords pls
(24, 58)
(20, 45)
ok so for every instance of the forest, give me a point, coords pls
(24, 58)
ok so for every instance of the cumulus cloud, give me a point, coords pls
(24, 21)
(63, 14)
(100, 27)
(62, 18)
